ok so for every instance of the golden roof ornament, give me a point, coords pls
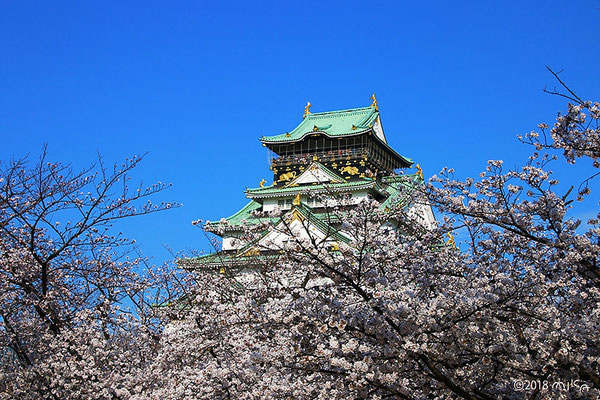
(374, 104)
(307, 109)
(262, 183)
(420, 172)
(451, 241)
(297, 200)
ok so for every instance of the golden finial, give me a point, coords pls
(353, 127)
(262, 183)
(335, 246)
(374, 104)
(307, 109)
(315, 128)
(222, 270)
(451, 241)
(420, 172)
(297, 200)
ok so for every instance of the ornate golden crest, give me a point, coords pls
(262, 183)
(288, 176)
(296, 201)
(349, 170)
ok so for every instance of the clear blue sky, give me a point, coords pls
(196, 84)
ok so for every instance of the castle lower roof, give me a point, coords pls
(287, 191)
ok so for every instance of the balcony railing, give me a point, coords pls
(307, 158)
(375, 155)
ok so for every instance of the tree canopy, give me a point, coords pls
(511, 311)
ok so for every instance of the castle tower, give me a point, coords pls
(337, 152)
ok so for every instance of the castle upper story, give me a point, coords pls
(350, 142)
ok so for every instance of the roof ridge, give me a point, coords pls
(243, 210)
(319, 222)
(339, 111)
(343, 184)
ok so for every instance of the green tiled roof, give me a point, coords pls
(270, 191)
(398, 187)
(332, 123)
(244, 213)
(393, 185)
(222, 259)
(320, 223)
(355, 121)
(236, 219)
(238, 257)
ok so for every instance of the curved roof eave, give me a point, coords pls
(406, 160)
(264, 140)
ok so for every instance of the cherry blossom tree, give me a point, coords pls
(75, 298)
(513, 311)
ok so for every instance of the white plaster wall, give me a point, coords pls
(424, 215)
(379, 129)
(269, 204)
(230, 243)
